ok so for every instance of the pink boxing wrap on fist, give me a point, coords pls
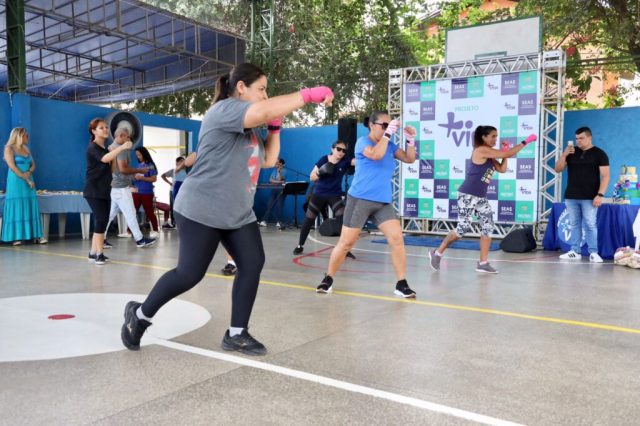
(505, 146)
(316, 94)
(392, 128)
(411, 139)
(530, 139)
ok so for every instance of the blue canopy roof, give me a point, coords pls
(104, 51)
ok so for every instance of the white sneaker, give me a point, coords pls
(595, 258)
(124, 235)
(571, 255)
(153, 234)
(263, 224)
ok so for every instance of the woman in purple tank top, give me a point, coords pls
(472, 194)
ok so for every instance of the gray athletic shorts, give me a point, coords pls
(358, 211)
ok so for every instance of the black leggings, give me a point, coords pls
(100, 208)
(317, 204)
(198, 244)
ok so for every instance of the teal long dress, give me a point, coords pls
(21, 214)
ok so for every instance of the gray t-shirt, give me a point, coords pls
(121, 180)
(219, 190)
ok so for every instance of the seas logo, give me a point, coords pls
(492, 86)
(526, 127)
(457, 170)
(456, 129)
(506, 209)
(441, 188)
(509, 106)
(525, 191)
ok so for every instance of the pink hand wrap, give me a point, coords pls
(530, 139)
(411, 138)
(317, 95)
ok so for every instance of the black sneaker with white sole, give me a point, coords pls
(229, 269)
(133, 327)
(107, 245)
(299, 249)
(402, 289)
(145, 242)
(244, 343)
(326, 285)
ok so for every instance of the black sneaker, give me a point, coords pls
(326, 285)
(243, 342)
(229, 269)
(92, 257)
(145, 242)
(299, 249)
(107, 244)
(350, 255)
(101, 259)
(133, 327)
(402, 289)
(167, 226)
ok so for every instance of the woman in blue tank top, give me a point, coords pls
(472, 194)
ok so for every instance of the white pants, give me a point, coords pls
(122, 201)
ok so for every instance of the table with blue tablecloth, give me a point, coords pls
(615, 229)
(61, 204)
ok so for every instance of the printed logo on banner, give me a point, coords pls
(427, 111)
(425, 208)
(441, 188)
(454, 184)
(506, 189)
(426, 169)
(411, 188)
(456, 128)
(412, 111)
(509, 84)
(525, 168)
(527, 104)
(492, 87)
(427, 150)
(528, 151)
(443, 90)
(456, 170)
(427, 91)
(453, 209)
(524, 211)
(441, 208)
(412, 92)
(492, 190)
(475, 87)
(526, 127)
(426, 188)
(458, 88)
(410, 207)
(506, 211)
(510, 107)
(508, 126)
(528, 82)
(441, 169)
(426, 131)
(412, 171)
(523, 191)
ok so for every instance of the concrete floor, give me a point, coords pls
(541, 343)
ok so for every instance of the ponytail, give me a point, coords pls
(479, 133)
(226, 84)
(222, 88)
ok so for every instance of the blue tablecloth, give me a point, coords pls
(58, 203)
(615, 223)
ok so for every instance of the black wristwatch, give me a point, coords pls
(599, 194)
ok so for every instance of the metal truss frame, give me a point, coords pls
(551, 66)
(262, 29)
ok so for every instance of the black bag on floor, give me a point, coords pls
(519, 240)
(331, 227)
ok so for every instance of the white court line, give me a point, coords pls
(475, 259)
(339, 384)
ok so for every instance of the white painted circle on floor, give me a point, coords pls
(82, 324)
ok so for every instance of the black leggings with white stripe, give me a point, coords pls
(198, 244)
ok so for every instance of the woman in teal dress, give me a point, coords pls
(21, 214)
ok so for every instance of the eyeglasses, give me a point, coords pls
(340, 149)
(383, 125)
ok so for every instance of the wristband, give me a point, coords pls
(387, 135)
(600, 194)
(273, 129)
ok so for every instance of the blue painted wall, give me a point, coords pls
(616, 131)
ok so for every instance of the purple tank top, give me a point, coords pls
(477, 178)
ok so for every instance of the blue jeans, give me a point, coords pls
(582, 218)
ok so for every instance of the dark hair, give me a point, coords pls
(226, 84)
(281, 160)
(93, 124)
(339, 142)
(585, 130)
(373, 117)
(146, 156)
(480, 132)
(179, 158)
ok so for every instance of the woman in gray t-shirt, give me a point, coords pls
(215, 203)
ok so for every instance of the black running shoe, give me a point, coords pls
(402, 289)
(229, 269)
(298, 250)
(92, 257)
(243, 342)
(133, 327)
(326, 285)
(107, 244)
(351, 255)
(100, 259)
